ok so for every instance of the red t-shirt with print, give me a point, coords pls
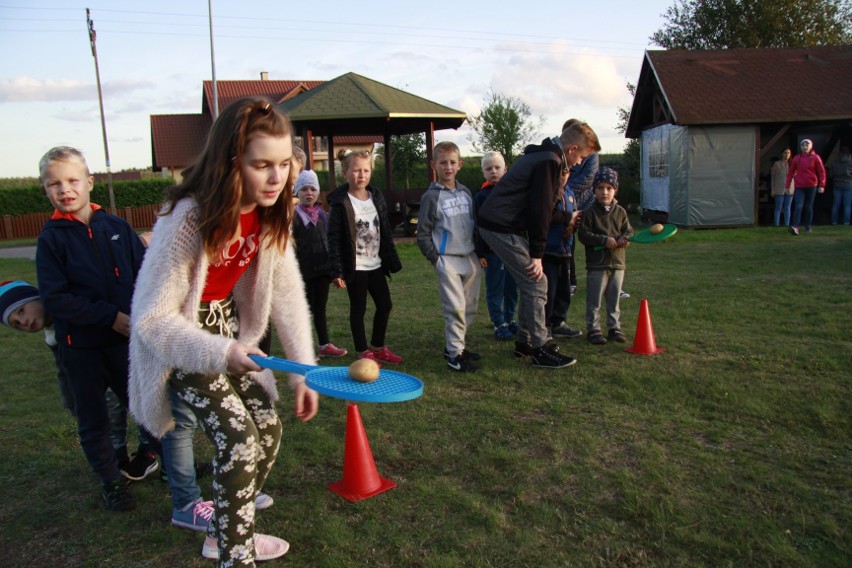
(222, 276)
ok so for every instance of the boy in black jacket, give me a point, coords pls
(86, 261)
(514, 222)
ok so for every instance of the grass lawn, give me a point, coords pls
(731, 448)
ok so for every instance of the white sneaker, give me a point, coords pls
(624, 295)
(263, 501)
(266, 547)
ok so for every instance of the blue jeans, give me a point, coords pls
(782, 204)
(803, 198)
(842, 196)
(178, 454)
(501, 293)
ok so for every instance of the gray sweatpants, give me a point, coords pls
(458, 285)
(514, 251)
(603, 284)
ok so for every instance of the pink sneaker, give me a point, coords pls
(329, 350)
(368, 354)
(385, 355)
(266, 547)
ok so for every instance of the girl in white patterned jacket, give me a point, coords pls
(218, 268)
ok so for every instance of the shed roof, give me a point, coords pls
(743, 86)
(353, 104)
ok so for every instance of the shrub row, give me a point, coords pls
(31, 199)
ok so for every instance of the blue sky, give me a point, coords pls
(564, 59)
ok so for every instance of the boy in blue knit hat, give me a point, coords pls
(21, 309)
(605, 224)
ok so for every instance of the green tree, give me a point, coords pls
(630, 166)
(505, 124)
(408, 155)
(727, 24)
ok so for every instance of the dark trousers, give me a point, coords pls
(90, 373)
(316, 290)
(557, 270)
(374, 283)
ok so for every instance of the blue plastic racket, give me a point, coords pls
(391, 386)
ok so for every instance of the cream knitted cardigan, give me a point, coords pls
(165, 331)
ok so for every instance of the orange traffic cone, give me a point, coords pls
(361, 479)
(644, 342)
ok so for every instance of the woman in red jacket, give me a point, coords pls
(808, 173)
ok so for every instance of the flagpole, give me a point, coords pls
(92, 39)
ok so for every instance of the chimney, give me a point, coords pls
(264, 75)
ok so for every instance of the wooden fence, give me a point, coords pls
(29, 225)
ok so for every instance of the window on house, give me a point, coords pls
(658, 158)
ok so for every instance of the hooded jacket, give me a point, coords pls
(445, 222)
(341, 234)
(522, 201)
(806, 170)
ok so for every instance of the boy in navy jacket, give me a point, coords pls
(86, 261)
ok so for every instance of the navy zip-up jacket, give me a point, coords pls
(86, 275)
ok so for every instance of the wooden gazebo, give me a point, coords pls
(355, 105)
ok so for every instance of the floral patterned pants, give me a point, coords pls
(240, 420)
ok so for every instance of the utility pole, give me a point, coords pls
(92, 39)
(213, 61)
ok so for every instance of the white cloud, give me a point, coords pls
(28, 89)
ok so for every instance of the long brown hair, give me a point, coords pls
(215, 182)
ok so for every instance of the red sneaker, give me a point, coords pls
(385, 355)
(368, 354)
(329, 350)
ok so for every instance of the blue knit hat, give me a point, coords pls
(608, 175)
(13, 295)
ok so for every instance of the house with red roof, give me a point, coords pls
(177, 138)
(711, 121)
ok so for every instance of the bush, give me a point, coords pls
(31, 199)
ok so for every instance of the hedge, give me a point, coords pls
(31, 199)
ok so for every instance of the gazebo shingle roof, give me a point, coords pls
(355, 104)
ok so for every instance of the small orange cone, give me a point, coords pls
(644, 342)
(361, 479)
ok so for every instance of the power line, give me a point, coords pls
(286, 23)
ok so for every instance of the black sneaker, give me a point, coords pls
(616, 335)
(564, 330)
(548, 356)
(142, 464)
(469, 355)
(117, 496)
(462, 364)
(522, 350)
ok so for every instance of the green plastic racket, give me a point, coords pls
(645, 237)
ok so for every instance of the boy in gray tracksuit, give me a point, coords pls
(445, 237)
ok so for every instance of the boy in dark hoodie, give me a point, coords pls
(514, 222)
(445, 237)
